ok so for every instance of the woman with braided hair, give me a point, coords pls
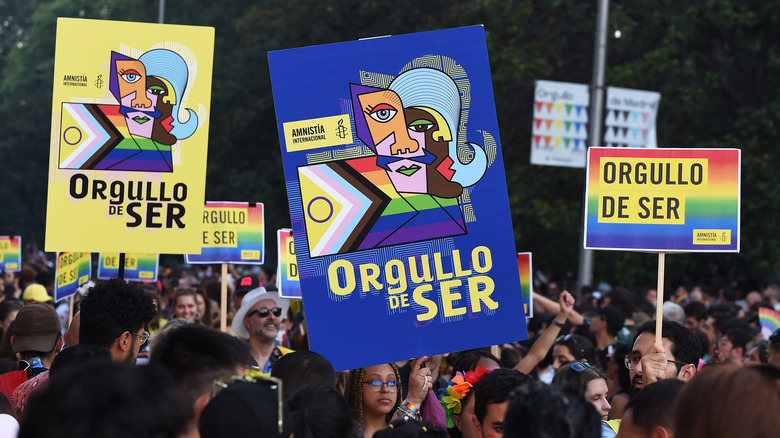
(374, 397)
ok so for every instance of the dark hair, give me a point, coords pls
(696, 310)
(196, 355)
(579, 346)
(704, 340)
(245, 408)
(411, 429)
(7, 306)
(76, 356)
(542, 411)
(623, 299)
(467, 360)
(742, 402)
(739, 338)
(353, 392)
(319, 411)
(510, 357)
(301, 368)
(623, 373)
(496, 387)
(110, 308)
(578, 381)
(654, 405)
(107, 399)
(685, 345)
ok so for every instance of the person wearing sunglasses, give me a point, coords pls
(258, 320)
(649, 362)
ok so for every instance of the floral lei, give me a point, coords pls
(458, 387)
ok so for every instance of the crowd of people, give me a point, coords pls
(127, 359)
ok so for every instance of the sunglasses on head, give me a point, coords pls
(570, 338)
(577, 367)
(262, 312)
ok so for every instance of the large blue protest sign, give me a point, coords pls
(398, 197)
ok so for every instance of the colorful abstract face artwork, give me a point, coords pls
(397, 194)
(137, 134)
(409, 191)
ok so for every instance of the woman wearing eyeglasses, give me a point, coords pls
(373, 394)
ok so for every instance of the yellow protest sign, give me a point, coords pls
(127, 159)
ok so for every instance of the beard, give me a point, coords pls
(132, 354)
(267, 330)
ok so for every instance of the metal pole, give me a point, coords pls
(161, 13)
(585, 273)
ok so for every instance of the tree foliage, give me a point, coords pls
(715, 63)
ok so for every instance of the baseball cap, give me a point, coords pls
(245, 284)
(37, 328)
(36, 292)
(614, 318)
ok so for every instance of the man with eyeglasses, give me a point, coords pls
(258, 320)
(677, 357)
(114, 315)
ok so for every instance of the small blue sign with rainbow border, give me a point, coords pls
(287, 278)
(138, 267)
(73, 270)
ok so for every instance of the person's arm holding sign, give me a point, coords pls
(543, 344)
(420, 382)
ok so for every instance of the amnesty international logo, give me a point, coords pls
(711, 237)
(99, 81)
(74, 80)
(341, 131)
(317, 133)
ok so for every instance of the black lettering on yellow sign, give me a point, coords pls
(644, 191)
(622, 172)
(153, 203)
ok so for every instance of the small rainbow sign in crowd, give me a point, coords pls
(74, 269)
(233, 232)
(138, 267)
(526, 281)
(663, 200)
(10, 253)
(287, 278)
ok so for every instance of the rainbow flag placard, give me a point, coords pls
(138, 267)
(10, 253)
(73, 270)
(287, 272)
(233, 232)
(770, 321)
(524, 265)
(663, 200)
